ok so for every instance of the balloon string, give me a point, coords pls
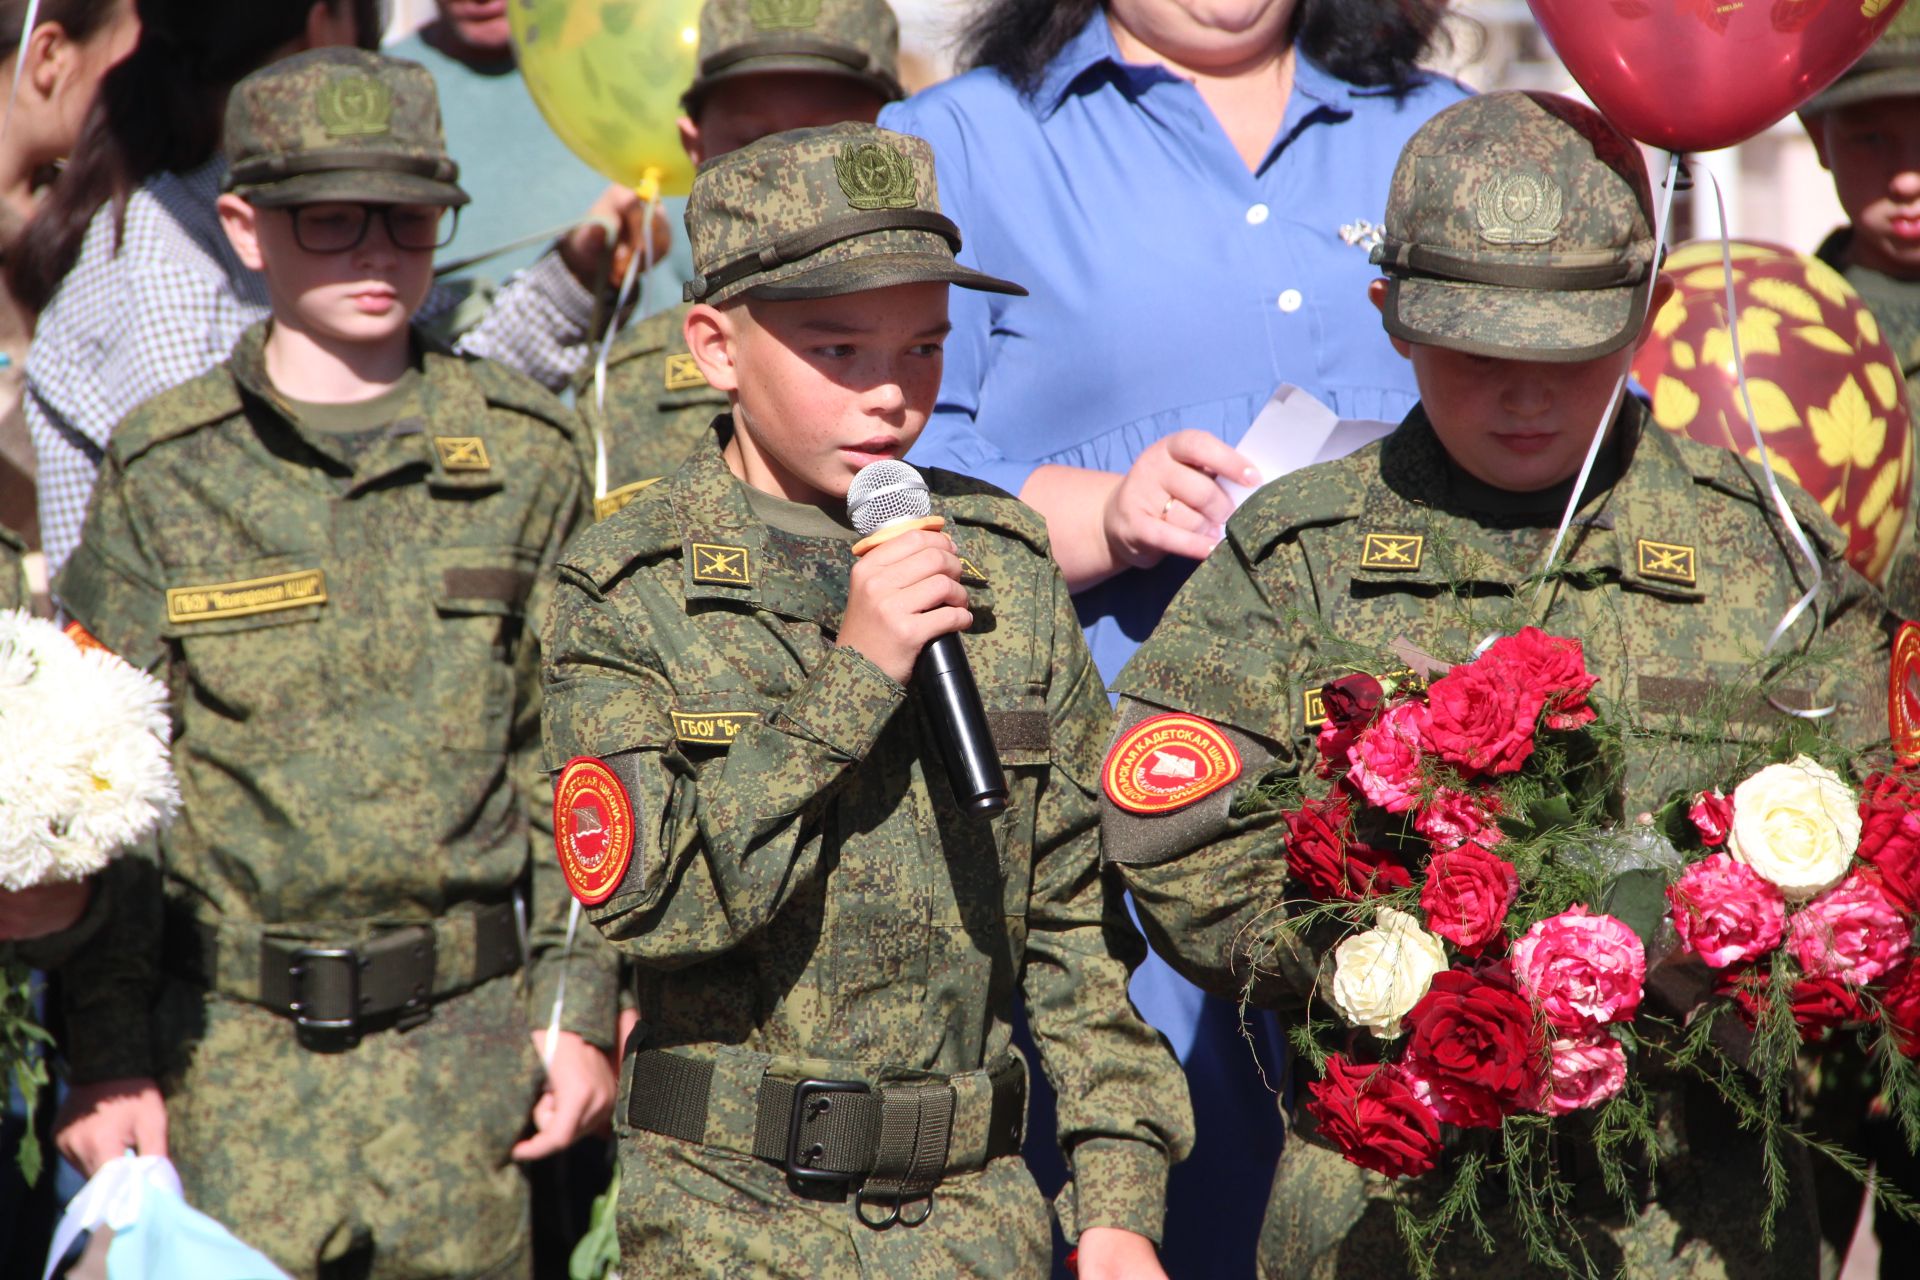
(20, 62)
(638, 266)
(560, 990)
(1780, 503)
(1661, 226)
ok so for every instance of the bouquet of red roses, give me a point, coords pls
(1476, 1001)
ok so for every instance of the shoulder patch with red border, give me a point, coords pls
(83, 639)
(1903, 694)
(1168, 762)
(593, 829)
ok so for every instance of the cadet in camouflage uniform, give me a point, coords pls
(1866, 127)
(319, 963)
(765, 66)
(801, 895)
(1519, 268)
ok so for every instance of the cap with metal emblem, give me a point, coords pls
(853, 39)
(818, 212)
(339, 124)
(1519, 225)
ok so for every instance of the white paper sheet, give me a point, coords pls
(1295, 430)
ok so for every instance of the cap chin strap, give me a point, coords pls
(807, 243)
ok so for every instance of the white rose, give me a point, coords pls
(1379, 975)
(1797, 824)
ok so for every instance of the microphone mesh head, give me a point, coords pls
(885, 491)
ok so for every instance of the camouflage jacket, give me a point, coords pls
(14, 593)
(1896, 305)
(1676, 575)
(803, 886)
(658, 407)
(355, 686)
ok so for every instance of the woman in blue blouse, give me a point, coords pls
(1189, 188)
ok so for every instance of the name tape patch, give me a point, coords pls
(220, 600)
(593, 829)
(1167, 763)
(711, 728)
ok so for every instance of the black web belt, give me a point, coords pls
(893, 1139)
(389, 976)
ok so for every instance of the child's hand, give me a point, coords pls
(905, 592)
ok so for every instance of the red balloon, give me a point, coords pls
(1698, 75)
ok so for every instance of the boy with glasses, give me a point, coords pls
(329, 546)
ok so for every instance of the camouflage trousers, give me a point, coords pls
(388, 1161)
(1328, 1219)
(693, 1211)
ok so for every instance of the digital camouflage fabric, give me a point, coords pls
(13, 571)
(1889, 69)
(1518, 225)
(347, 630)
(659, 406)
(816, 212)
(1674, 576)
(339, 124)
(853, 39)
(805, 898)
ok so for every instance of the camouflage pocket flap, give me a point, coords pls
(487, 580)
(243, 595)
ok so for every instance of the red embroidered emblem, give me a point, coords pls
(1903, 694)
(1167, 763)
(593, 829)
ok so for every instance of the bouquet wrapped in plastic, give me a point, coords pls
(84, 774)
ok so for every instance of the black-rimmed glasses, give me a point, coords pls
(338, 226)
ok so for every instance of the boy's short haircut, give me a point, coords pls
(856, 40)
(1519, 226)
(817, 212)
(339, 124)
(1889, 69)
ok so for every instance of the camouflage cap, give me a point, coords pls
(1890, 68)
(1519, 225)
(854, 39)
(339, 124)
(815, 212)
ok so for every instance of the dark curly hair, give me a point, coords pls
(1366, 42)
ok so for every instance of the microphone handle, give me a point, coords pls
(952, 703)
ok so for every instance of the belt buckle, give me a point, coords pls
(797, 1163)
(296, 975)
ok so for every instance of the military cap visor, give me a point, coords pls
(1547, 325)
(842, 62)
(361, 186)
(1868, 86)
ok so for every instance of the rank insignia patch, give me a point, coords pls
(711, 728)
(1393, 551)
(1167, 763)
(681, 373)
(1668, 562)
(970, 572)
(593, 829)
(1903, 694)
(619, 498)
(219, 600)
(716, 565)
(463, 453)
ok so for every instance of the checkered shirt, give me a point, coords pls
(168, 303)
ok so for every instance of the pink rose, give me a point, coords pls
(1466, 896)
(1712, 815)
(1481, 718)
(1582, 969)
(1386, 758)
(1852, 932)
(1555, 666)
(1587, 1069)
(1453, 818)
(1726, 912)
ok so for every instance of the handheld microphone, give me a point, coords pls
(890, 495)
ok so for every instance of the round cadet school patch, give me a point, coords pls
(1903, 694)
(1167, 763)
(593, 829)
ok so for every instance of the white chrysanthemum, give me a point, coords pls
(83, 755)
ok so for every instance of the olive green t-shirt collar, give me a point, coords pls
(802, 519)
(359, 416)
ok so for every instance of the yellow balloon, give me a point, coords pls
(608, 75)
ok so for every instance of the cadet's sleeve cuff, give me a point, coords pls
(845, 705)
(56, 949)
(593, 989)
(1116, 1182)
